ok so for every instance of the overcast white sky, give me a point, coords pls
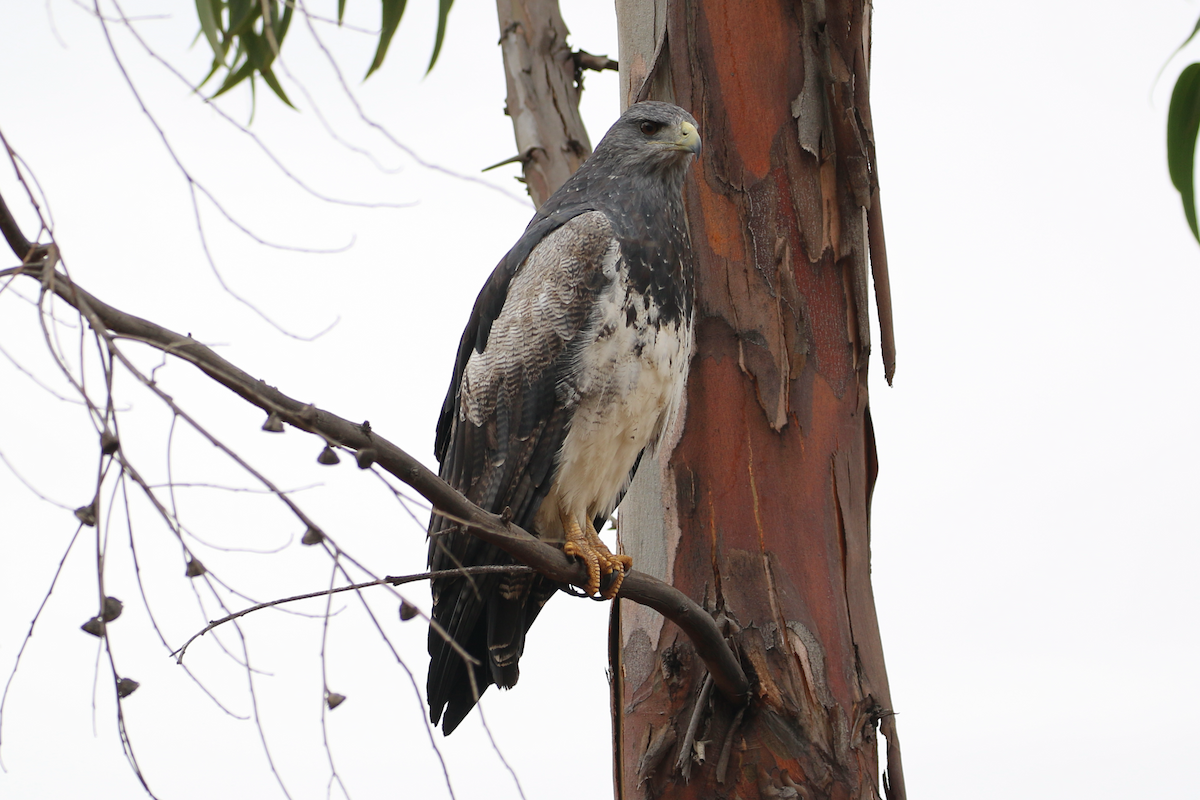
(1034, 531)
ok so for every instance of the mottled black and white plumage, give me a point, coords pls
(572, 363)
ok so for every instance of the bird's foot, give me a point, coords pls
(599, 560)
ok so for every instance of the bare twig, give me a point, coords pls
(192, 182)
(496, 747)
(29, 635)
(137, 571)
(249, 133)
(122, 729)
(388, 581)
(412, 680)
(220, 487)
(340, 24)
(21, 246)
(383, 131)
(262, 734)
(37, 381)
(195, 185)
(586, 60)
(327, 704)
(30, 486)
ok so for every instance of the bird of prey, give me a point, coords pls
(572, 364)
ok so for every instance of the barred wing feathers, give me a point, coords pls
(506, 416)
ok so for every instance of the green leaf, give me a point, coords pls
(1191, 36)
(443, 14)
(281, 27)
(393, 10)
(1183, 125)
(253, 100)
(273, 82)
(209, 11)
(234, 78)
(258, 52)
(216, 65)
(342, 10)
(242, 14)
(1175, 52)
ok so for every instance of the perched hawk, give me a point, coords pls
(572, 363)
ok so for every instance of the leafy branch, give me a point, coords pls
(247, 36)
(1183, 127)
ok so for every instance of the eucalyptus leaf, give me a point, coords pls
(392, 10)
(216, 65)
(1191, 36)
(258, 51)
(1183, 125)
(242, 14)
(245, 48)
(269, 77)
(253, 99)
(209, 12)
(283, 23)
(234, 78)
(443, 15)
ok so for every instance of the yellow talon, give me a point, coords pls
(599, 560)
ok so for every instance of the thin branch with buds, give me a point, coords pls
(391, 580)
(548, 560)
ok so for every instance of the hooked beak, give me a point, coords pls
(690, 140)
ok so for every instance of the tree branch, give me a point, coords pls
(548, 560)
(391, 580)
(586, 60)
(12, 234)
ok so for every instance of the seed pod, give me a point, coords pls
(87, 514)
(274, 423)
(328, 457)
(126, 687)
(407, 611)
(112, 609)
(366, 457)
(109, 443)
(94, 626)
(194, 568)
(333, 700)
(312, 536)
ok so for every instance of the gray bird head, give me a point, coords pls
(652, 136)
(636, 172)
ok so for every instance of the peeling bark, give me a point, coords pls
(760, 505)
(543, 94)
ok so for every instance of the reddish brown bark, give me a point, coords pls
(762, 506)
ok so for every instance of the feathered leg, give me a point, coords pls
(599, 560)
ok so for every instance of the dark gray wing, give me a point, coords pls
(489, 303)
(509, 411)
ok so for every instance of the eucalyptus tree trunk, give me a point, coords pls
(543, 94)
(760, 504)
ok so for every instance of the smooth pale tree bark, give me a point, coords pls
(760, 505)
(543, 94)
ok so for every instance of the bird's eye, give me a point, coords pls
(650, 128)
